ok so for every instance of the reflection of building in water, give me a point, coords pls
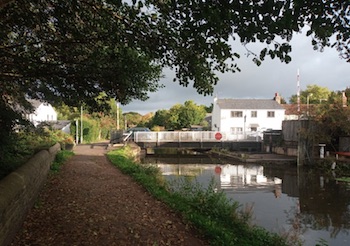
(244, 175)
(278, 190)
(183, 170)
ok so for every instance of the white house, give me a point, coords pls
(43, 112)
(240, 118)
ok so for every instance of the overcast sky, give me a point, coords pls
(324, 69)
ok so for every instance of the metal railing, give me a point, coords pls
(186, 136)
(192, 136)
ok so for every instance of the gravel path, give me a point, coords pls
(90, 202)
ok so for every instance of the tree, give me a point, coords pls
(183, 116)
(173, 120)
(132, 119)
(209, 109)
(191, 114)
(314, 93)
(65, 112)
(71, 51)
(332, 122)
(160, 118)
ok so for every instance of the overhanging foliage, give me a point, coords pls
(71, 51)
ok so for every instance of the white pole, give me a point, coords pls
(117, 115)
(77, 131)
(81, 124)
(298, 92)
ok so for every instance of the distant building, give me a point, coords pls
(242, 118)
(63, 125)
(43, 112)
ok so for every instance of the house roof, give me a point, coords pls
(36, 103)
(249, 104)
(60, 124)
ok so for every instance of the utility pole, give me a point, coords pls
(117, 115)
(77, 131)
(81, 124)
(298, 92)
(299, 123)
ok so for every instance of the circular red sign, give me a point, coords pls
(217, 169)
(218, 136)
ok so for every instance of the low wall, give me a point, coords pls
(19, 191)
(136, 151)
(285, 151)
(282, 150)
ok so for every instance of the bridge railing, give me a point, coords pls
(195, 136)
(184, 136)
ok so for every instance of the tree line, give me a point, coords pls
(178, 117)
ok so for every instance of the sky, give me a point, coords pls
(324, 69)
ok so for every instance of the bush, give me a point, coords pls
(21, 146)
(91, 130)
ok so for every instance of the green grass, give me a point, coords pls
(60, 158)
(216, 218)
(343, 179)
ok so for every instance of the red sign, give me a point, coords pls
(218, 136)
(217, 169)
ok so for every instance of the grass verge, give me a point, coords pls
(343, 179)
(216, 217)
(60, 158)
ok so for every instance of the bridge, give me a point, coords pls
(193, 140)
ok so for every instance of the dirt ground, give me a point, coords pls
(90, 202)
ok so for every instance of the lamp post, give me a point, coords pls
(81, 126)
(117, 114)
(308, 103)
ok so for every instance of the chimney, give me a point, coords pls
(277, 98)
(344, 100)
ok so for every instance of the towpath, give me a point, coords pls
(90, 202)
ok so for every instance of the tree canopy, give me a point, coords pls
(179, 116)
(71, 51)
(316, 94)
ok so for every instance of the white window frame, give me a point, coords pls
(236, 130)
(270, 114)
(236, 114)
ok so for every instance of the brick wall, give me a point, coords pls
(19, 191)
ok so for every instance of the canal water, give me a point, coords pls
(297, 202)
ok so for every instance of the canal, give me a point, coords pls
(311, 207)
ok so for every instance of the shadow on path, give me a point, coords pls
(90, 202)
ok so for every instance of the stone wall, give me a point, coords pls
(19, 191)
(285, 151)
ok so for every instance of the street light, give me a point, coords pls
(117, 104)
(308, 102)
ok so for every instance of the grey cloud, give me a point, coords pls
(321, 68)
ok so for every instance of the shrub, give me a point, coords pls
(24, 144)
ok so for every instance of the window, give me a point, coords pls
(236, 130)
(270, 114)
(236, 114)
(254, 114)
(253, 129)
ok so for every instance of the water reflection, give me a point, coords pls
(300, 203)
